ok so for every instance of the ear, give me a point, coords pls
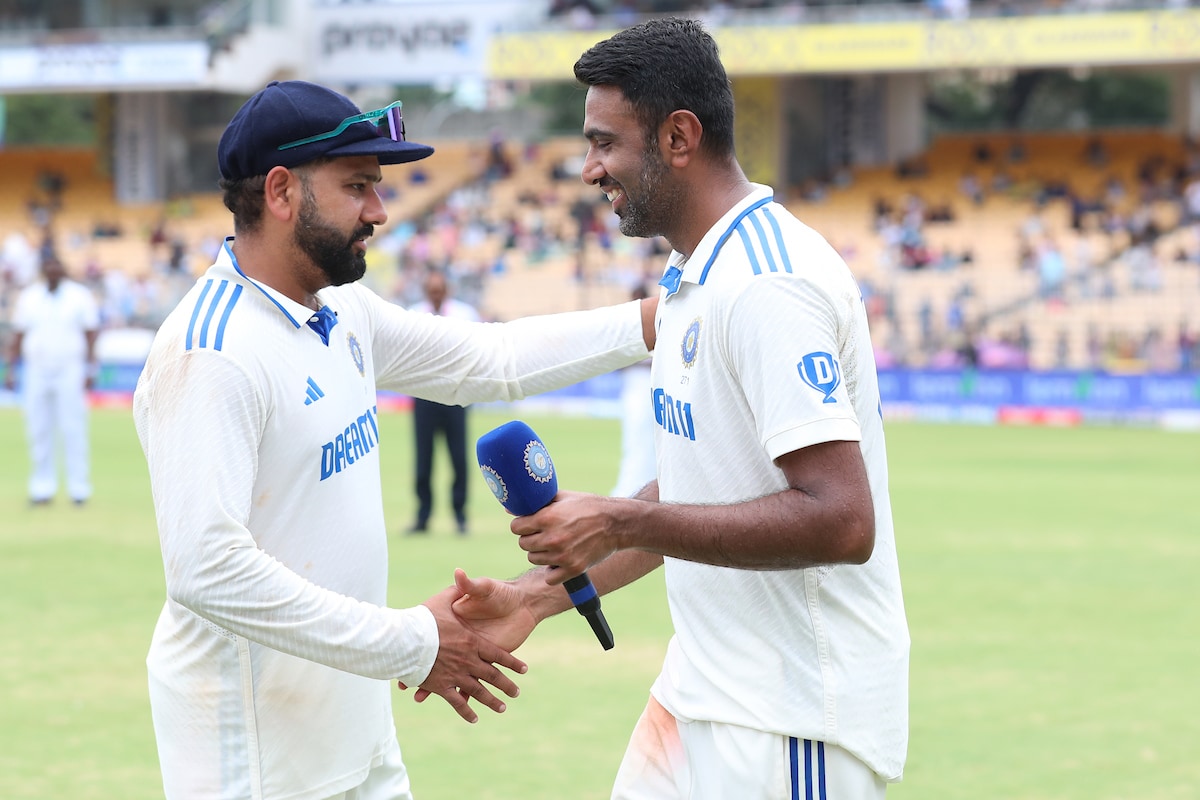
(282, 193)
(679, 137)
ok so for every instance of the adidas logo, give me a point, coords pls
(314, 393)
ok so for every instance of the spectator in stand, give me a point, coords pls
(1052, 271)
(1187, 343)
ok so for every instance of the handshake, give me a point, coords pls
(481, 621)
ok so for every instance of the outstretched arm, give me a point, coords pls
(506, 612)
(826, 516)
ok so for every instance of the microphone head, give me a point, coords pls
(517, 468)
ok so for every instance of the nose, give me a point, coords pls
(592, 171)
(374, 212)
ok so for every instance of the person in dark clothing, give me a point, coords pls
(430, 419)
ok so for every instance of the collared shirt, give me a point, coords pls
(270, 664)
(763, 349)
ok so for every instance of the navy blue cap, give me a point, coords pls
(286, 111)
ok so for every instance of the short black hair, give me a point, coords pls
(244, 196)
(664, 65)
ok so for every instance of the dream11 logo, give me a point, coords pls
(822, 372)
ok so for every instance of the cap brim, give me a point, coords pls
(386, 150)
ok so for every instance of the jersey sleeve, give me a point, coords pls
(459, 362)
(199, 417)
(783, 342)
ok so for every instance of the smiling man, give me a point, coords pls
(787, 676)
(256, 410)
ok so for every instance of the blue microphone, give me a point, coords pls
(518, 470)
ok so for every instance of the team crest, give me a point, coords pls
(495, 484)
(356, 353)
(691, 343)
(538, 463)
(822, 372)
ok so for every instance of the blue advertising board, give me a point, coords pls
(1059, 397)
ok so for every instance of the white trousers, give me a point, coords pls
(387, 780)
(55, 402)
(673, 759)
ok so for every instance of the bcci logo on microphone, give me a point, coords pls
(538, 463)
(495, 483)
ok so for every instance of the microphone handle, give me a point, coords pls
(587, 602)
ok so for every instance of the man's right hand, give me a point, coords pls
(495, 609)
(465, 661)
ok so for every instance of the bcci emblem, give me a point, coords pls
(822, 372)
(495, 484)
(356, 352)
(538, 463)
(691, 343)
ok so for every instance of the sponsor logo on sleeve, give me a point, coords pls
(822, 372)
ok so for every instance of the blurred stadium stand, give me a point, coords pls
(1008, 247)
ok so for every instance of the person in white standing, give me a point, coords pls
(787, 675)
(55, 324)
(257, 413)
(431, 418)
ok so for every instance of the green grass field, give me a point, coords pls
(1046, 576)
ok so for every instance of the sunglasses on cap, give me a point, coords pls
(389, 114)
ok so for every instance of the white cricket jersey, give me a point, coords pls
(271, 663)
(54, 323)
(762, 350)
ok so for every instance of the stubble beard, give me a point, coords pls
(656, 206)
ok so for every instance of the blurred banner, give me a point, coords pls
(1064, 40)
(994, 397)
(86, 65)
(407, 43)
(1065, 397)
(1009, 397)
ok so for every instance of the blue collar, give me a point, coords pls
(322, 322)
(673, 276)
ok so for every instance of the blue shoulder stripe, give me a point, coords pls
(783, 253)
(737, 221)
(766, 245)
(196, 312)
(208, 307)
(237, 292)
(749, 246)
(774, 257)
